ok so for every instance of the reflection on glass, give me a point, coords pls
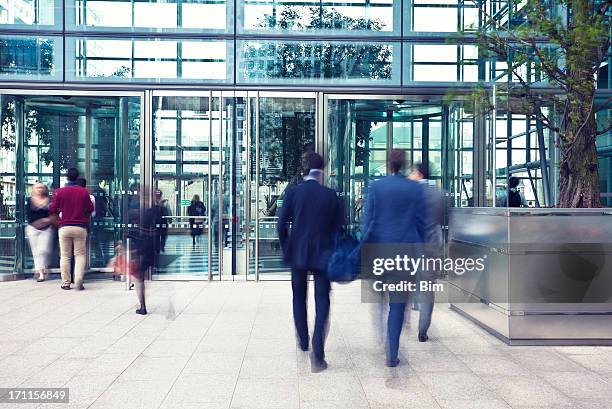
(99, 136)
(8, 189)
(149, 60)
(181, 131)
(286, 131)
(28, 13)
(263, 61)
(604, 151)
(334, 16)
(362, 131)
(447, 15)
(30, 58)
(211, 15)
(441, 63)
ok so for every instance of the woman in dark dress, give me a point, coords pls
(197, 210)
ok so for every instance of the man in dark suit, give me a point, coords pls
(315, 213)
(395, 213)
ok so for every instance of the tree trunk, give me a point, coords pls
(579, 170)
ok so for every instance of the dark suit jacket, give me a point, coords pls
(316, 215)
(395, 211)
(437, 213)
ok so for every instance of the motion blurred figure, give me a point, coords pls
(316, 215)
(197, 210)
(437, 210)
(74, 205)
(147, 245)
(166, 213)
(39, 230)
(394, 213)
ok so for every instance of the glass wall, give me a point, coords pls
(42, 136)
(361, 17)
(157, 60)
(31, 58)
(23, 14)
(314, 62)
(370, 43)
(171, 16)
(362, 131)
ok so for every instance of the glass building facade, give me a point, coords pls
(220, 98)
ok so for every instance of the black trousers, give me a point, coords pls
(299, 284)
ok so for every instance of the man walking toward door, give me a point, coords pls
(73, 204)
(315, 213)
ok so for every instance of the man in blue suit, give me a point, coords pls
(315, 214)
(395, 213)
(437, 212)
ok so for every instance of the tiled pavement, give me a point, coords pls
(231, 344)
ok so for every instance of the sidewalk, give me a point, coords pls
(232, 344)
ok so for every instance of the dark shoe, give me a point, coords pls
(423, 337)
(80, 287)
(304, 346)
(317, 365)
(141, 311)
(393, 363)
(40, 279)
(65, 286)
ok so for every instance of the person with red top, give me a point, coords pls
(73, 204)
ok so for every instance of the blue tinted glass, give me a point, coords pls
(333, 16)
(172, 15)
(116, 60)
(30, 58)
(441, 63)
(30, 13)
(308, 62)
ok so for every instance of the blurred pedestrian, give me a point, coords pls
(147, 239)
(394, 212)
(74, 204)
(437, 210)
(197, 210)
(315, 214)
(166, 221)
(39, 230)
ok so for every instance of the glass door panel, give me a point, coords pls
(181, 172)
(233, 177)
(360, 133)
(286, 129)
(99, 135)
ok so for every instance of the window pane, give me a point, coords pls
(333, 16)
(30, 13)
(30, 58)
(308, 62)
(445, 15)
(148, 59)
(154, 15)
(440, 63)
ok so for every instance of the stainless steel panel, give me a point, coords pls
(553, 266)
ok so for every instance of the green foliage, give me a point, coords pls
(553, 52)
(548, 46)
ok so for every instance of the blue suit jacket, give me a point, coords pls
(395, 211)
(316, 215)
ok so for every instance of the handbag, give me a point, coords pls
(343, 264)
